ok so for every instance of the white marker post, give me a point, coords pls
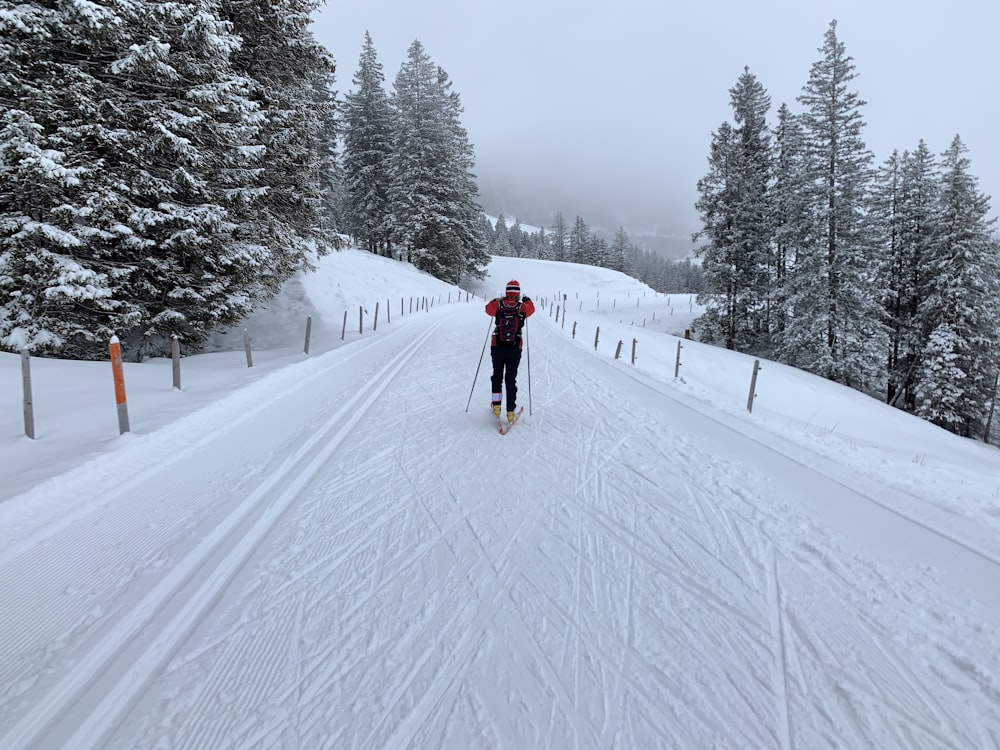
(119, 375)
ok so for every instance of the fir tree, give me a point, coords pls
(955, 380)
(147, 107)
(52, 297)
(790, 211)
(501, 238)
(736, 216)
(293, 80)
(619, 253)
(433, 191)
(368, 119)
(906, 207)
(836, 327)
(579, 239)
(560, 238)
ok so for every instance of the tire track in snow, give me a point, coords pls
(704, 412)
(216, 418)
(779, 679)
(443, 691)
(613, 710)
(304, 464)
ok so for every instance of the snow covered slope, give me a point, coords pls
(337, 554)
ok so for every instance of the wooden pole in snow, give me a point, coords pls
(175, 359)
(753, 385)
(246, 347)
(29, 407)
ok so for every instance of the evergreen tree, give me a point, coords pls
(518, 241)
(560, 238)
(790, 211)
(52, 297)
(598, 251)
(293, 80)
(919, 207)
(501, 238)
(433, 193)
(737, 222)
(541, 246)
(906, 206)
(955, 379)
(191, 185)
(619, 253)
(836, 328)
(368, 119)
(143, 101)
(579, 239)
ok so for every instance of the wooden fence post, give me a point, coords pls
(344, 329)
(597, 336)
(618, 349)
(29, 406)
(993, 402)
(118, 373)
(677, 365)
(564, 312)
(361, 319)
(375, 327)
(246, 346)
(175, 357)
(574, 329)
(309, 324)
(388, 315)
(633, 352)
(753, 385)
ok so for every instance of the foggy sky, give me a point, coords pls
(606, 110)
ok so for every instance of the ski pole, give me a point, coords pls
(527, 346)
(488, 329)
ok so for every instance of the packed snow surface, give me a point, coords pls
(333, 551)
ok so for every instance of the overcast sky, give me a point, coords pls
(606, 109)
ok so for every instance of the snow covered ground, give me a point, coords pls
(329, 550)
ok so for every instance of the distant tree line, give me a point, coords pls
(579, 244)
(884, 279)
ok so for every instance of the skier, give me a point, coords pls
(509, 312)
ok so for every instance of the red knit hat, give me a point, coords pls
(513, 288)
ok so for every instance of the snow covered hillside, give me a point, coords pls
(329, 550)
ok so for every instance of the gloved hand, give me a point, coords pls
(526, 299)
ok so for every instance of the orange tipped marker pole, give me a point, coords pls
(119, 375)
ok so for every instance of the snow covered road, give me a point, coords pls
(340, 556)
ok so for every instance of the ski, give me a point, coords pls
(505, 428)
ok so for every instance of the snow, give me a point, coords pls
(329, 550)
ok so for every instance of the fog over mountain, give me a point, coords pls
(607, 110)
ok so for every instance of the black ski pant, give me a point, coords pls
(506, 358)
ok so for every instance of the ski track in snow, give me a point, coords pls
(377, 568)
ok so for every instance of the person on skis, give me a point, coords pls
(509, 313)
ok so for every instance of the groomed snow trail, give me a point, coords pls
(353, 560)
